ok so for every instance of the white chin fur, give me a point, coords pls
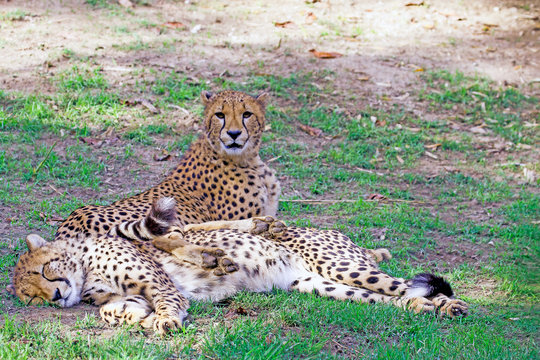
(233, 151)
(73, 298)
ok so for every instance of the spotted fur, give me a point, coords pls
(136, 281)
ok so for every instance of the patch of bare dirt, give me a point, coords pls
(449, 253)
(68, 316)
(384, 44)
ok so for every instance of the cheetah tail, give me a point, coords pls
(159, 221)
(428, 285)
(161, 217)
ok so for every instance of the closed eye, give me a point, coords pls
(53, 279)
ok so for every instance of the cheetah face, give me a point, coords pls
(234, 122)
(47, 274)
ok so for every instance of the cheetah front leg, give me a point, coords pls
(266, 226)
(130, 310)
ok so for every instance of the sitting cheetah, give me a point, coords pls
(138, 281)
(221, 176)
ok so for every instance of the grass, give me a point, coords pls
(478, 101)
(478, 231)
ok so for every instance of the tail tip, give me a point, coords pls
(432, 285)
(162, 215)
(165, 206)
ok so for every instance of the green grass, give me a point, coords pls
(478, 231)
(475, 100)
(15, 15)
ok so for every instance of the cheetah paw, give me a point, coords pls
(226, 266)
(421, 305)
(165, 324)
(267, 225)
(454, 308)
(210, 257)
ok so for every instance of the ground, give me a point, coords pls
(422, 138)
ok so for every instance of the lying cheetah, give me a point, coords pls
(136, 281)
(221, 176)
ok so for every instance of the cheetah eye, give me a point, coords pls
(220, 115)
(247, 115)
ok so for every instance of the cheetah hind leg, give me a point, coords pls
(324, 287)
(204, 257)
(266, 226)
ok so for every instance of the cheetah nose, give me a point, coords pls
(57, 295)
(234, 133)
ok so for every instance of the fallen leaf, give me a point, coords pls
(325, 55)
(234, 312)
(144, 102)
(530, 175)
(376, 197)
(364, 78)
(125, 3)
(174, 25)
(433, 146)
(478, 130)
(419, 70)
(417, 3)
(164, 156)
(196, 29)
(91, 141)
(429, 26)
(399, 159)
(51, 221)
(414, 130)
(129, 102)
(147, 104)
(523, 146)
(311, 130)
(431, 155)
(487, 27)
(283, 24)
(311, 17)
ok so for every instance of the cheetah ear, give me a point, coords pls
(34, 242)
(262, 98)
(11, 289)
(206, 96)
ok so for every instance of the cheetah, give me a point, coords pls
(141, 271)
(220, 177)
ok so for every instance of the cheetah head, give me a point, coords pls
(47, 274)
(234, 122)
